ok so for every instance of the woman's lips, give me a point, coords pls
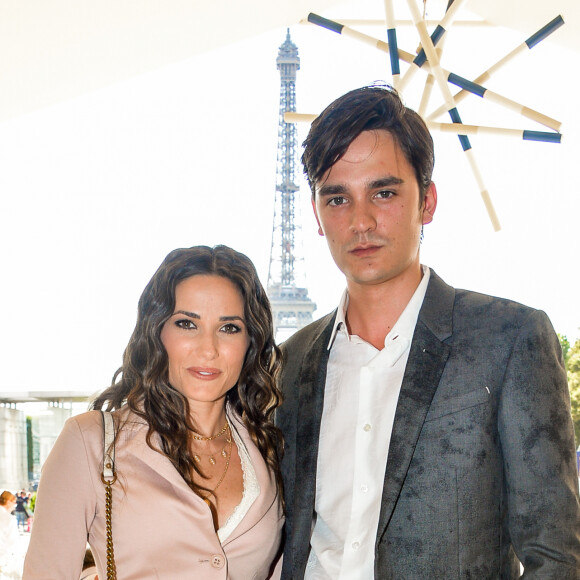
(204, 373)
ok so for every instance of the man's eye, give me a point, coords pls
(231, 328)
(185, 324)
(384, 194)
(338, 200)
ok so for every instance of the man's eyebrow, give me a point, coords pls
(336, 189)
(385, 182)
(340, 189)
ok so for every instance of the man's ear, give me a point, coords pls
(429, 204)
(320, 232)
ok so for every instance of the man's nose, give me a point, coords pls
(362, 218)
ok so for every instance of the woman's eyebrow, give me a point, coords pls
(190, 314)
(198, 317)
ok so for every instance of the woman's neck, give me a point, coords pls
(209, 419)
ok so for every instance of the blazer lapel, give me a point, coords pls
(267, 483)
(425, 365)
(309, 414)
(135, 443)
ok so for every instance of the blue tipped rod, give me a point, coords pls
(545, 31)
(463, 139)
(466, 85)
(542, 136)
(393, 51)
(435, 37)
(325, 23)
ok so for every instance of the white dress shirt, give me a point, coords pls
(360, 398)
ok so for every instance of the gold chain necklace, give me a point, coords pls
(228, 456)
(197, 456)
(212, 437)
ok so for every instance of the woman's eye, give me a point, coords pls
(231, 328)
(185, 323)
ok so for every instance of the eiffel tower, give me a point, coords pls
(291, 307)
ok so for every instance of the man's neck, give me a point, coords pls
(373, 310)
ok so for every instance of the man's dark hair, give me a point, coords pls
(366, 109)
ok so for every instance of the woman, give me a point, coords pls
(8, 532)
(198, 492)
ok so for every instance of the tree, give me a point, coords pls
(572, 360)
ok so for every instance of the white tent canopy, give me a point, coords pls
(55, 50)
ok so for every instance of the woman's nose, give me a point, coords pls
(207, 345)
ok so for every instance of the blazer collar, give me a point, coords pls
(309, 413)
(425, 365)
(134, 442)
(268, 492)
(437, 310)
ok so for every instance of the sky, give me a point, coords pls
(96, 190)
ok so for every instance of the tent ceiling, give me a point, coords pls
(59, 49)
(526, 15)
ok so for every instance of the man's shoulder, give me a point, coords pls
(475, 311)
(472, 300)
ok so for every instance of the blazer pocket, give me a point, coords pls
(455, 404)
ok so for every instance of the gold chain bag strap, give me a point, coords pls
(108, 477)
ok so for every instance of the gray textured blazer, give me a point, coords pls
(481, 468)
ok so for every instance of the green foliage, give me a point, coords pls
(572, 360)
(565, 344)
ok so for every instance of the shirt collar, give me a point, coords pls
(411, 310)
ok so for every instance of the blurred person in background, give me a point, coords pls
(8, 535)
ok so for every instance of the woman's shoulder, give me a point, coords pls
(87, 428)
(92, 421)
(85, 421)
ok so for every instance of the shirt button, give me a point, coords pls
(367, 427)
(364, 487)
(217, 561)
(355, 545)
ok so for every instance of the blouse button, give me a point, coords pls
(217, 561)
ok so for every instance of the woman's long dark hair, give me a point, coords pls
(142, 383)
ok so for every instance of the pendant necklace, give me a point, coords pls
(228, 456)
(197, 456)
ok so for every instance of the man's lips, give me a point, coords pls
(364, 250)
(204, 373)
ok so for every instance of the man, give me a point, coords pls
(428, 430)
